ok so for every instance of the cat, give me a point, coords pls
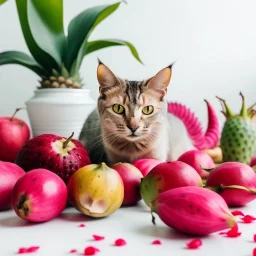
(131, 120)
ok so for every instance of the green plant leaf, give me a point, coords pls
(80, 28)
(100, 44)
(20, 58)
(2, 1)
(43, 58)
(45, 18)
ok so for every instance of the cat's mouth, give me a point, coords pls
(133, 136)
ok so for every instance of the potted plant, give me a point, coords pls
(60, 103)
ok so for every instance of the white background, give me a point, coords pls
(213, 43)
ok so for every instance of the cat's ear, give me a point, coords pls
(106, 77)
(160, 81)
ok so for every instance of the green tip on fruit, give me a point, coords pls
(231, 220)
(225, 108)
(102, 166)
(251, 112)
(243, 112)
(148, 190)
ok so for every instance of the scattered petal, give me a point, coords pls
(233, 232)
(90, 250)
(120, 242)
(254, 252)
(81, 226)
(237, 213)
(248, 219)
(194, 244)
(22, 250)
(156, 242)
(28, 249)
(98, 238)
(73, 251)
(254, 237)
(32, 248)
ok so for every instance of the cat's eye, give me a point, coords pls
(147, 110)
(117, 108)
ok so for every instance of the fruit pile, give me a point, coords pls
(47, 173)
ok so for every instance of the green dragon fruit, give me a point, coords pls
(238, 136)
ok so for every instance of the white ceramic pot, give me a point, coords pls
(59, 111)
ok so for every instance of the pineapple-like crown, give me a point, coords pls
(245, 113)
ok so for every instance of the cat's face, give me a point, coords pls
(131, 110)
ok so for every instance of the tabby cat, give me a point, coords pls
(131, 120)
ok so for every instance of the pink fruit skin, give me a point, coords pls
(42, 152)
(39, 195)
(234, 173)
(13, 134)
(168, 175)
(9, 174)
(145, 165)
(131, 177)
(193, 210)
(198, 160)
(253, 161)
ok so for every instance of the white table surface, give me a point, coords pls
(60, 235)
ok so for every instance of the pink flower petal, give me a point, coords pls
(248, 219)
(81, 226)
(98, 238)
(120, 242)
(237, 213)
(194, 244)
(90, 250)
(157, 242)
(28, 249)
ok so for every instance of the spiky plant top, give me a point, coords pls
(57, 57)
(238, 136)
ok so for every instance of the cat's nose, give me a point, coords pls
(133, 128)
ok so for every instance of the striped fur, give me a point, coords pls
(111, 137)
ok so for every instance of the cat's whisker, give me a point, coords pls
(91, 145)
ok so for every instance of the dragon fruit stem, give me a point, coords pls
(153, 209)
(207, 169)
(65, 143)
(243, 112)
(221, 188)
(228, 112)
(16, 110)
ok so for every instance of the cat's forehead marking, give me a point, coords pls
(133, 91)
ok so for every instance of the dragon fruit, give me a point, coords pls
(234, 181)
(193, 210)
(61, 155)
(238, 137)
(200, 140)
(165, 176)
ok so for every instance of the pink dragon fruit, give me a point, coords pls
(193, 210)
(234, 181)
(200, 140)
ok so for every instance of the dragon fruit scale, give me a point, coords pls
(200, 139)
(238, 136)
